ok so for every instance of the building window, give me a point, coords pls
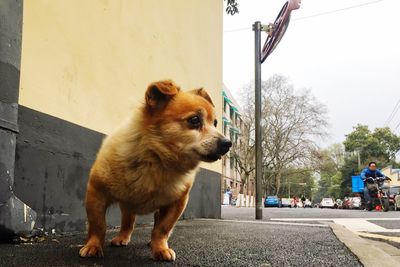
(225, 105)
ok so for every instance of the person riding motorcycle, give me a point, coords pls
(370, 171)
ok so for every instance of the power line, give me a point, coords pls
(397, 126)
(239, 29)
(338, 10)
(316, 15)
(393, 113)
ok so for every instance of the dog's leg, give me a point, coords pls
(156, 219)
(96, 207)
(165, 221)
(127, 225)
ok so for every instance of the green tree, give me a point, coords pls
(329, 162)
(363, 145)
(349, 168)
(298, 182)
(231, 7)
(380, 145)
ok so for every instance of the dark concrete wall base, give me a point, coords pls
(16, 216)
(53, 159)
(205, 196)
(11, 208)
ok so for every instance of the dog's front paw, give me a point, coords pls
(91, 250)
(120, 241)
(164, 254)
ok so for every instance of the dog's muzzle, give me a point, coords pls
(223, 146)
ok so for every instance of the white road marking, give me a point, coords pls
(263, 222)
(331, 219)
(353, 224)
(359, 225)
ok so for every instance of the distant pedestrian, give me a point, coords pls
(229, 192)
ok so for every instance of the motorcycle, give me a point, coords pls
(379, 197)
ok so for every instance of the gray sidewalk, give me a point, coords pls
(198, 243)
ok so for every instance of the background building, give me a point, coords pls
(71, 73)
(233, 126)
(393, 174)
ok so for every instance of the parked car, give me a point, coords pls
(356, 202)
(347, 203)
(392, 192)
(339, 203)
(296, 203)
(397, 202)
(327, 203)
(307, 203)
(271, 201)
(299, 204)
(285, 202)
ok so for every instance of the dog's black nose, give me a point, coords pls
(223, 146)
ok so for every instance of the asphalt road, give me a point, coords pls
(233, 213)
(198, 243)
(388, 220)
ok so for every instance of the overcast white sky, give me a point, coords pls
(349, 59)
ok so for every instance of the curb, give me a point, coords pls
(366, 252)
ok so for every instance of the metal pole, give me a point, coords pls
(257, 54)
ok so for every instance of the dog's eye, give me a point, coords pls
(215, 123)
(195, 121)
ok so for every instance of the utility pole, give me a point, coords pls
(257, 59)
(275, 32)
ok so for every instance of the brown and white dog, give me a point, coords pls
(149, 165)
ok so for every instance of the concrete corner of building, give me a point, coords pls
(15, 218)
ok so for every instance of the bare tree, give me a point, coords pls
(292, 122)
(243, 153)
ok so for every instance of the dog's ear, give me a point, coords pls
(159, 93)
(203, 93)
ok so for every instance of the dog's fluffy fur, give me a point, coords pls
(149, 165)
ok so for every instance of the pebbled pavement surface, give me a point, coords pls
(197, 243)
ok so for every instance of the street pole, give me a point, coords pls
(257, 60)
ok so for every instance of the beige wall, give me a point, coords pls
(395, 176)
(89, 62)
